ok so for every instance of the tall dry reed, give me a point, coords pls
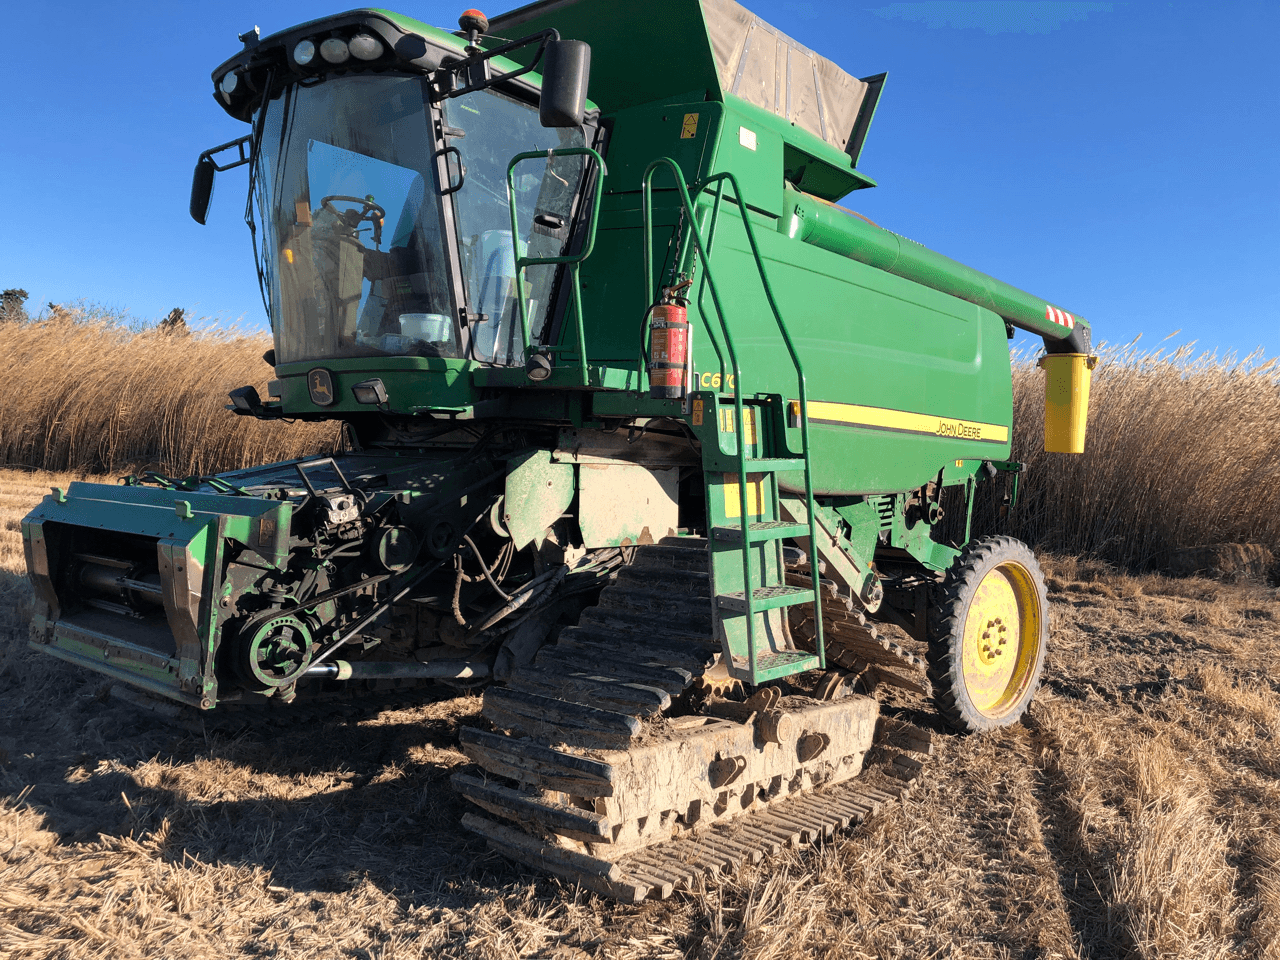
(1183, 450)
(95, 396)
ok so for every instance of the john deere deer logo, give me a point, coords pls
(320, 383)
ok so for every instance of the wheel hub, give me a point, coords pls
(994, 641)
(1001, 639)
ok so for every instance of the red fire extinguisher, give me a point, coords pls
(669, 344)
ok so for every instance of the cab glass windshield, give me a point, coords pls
(352, 251)
(385, 237)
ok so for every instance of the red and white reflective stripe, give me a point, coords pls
(1060, 317)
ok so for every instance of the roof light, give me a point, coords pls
(304, 53)
(335, 50)
(365, 47)
(473, 19)
(474, 24)
(230, 81)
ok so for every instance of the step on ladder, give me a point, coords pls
(748, 577)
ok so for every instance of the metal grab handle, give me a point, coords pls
(572, 260)
(462, 168)
(548, 155)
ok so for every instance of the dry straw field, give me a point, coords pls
(1135, 813)
(1183, 448)
(98, 397)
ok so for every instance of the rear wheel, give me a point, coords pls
(988, 634)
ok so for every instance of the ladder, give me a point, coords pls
(745, 529)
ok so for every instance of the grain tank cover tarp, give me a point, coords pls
(648, 50)
(763, 66)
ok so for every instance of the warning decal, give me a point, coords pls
(1060, 317)
(690, 128)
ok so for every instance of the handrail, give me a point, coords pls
(573, 260)
(740, 419)
(645, 331)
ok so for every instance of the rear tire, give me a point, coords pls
(988, 635)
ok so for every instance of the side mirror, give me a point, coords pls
(202, 188)
(566, 68)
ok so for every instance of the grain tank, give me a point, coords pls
(640, 430)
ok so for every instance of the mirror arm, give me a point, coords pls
(242, 144)
(455, 67)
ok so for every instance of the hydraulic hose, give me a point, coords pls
(488, 574)
(540, 586)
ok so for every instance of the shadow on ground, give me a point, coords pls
(325, 797)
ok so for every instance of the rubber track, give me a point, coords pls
(662, 869)
(853, 642)
(891, 768)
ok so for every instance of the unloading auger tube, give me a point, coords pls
(833, 228)
(614, 761)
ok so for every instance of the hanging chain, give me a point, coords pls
(675, 241)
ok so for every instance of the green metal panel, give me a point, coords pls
(680, 130)
(750, 147)
(537, 492)
(621, 504)
(867, 338)
(414, 384)
(656, 51)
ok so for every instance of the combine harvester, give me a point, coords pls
(639, 429)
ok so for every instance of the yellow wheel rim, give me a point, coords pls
(1001, 640)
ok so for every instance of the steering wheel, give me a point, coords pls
(367, 207)
(369, 211)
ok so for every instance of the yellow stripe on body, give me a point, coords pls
(880, 418)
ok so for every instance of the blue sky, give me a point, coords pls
(1120, 159)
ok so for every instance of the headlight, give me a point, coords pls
(335, 50)
(370, 391)
(365, 47)
(229, 83)
(304, 53)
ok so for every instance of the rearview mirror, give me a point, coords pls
(566, 68)
(202, 188)
(206, 167)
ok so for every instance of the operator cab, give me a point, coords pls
(381, 188)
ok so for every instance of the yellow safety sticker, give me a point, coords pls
(733, 496)
(689, 129)
(698, 407)
(902, 421)
(728, 421)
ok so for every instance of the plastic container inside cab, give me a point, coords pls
(1066, 400)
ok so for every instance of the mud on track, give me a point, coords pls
(1135, 813)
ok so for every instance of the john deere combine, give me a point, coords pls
(640, 429)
